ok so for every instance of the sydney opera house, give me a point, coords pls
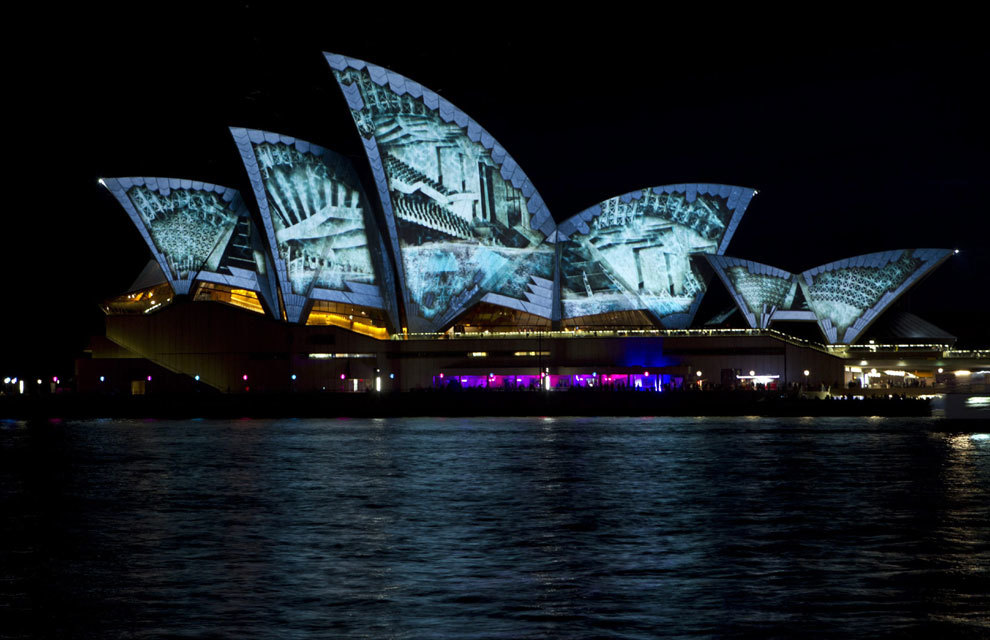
(451, 271)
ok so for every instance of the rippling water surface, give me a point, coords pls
(495, 528)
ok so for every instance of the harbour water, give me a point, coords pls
(496, 528)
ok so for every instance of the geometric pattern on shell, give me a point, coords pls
(635, 251)
(757, 289)
(847, 295)
(318, 221)
(464, 221)
(187, 224)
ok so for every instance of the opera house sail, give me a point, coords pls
(759, 290)
(325, 241)
(199, 232)
(634, 252)
(465, 223)
(848, 295)
(844, 297)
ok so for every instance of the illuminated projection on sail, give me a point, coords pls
(635, 251)
(466, 222)
(847, 295)
(186, 224)
(315, 213)
(759, 290)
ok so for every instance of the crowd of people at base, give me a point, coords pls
(681, 387)
(908, 383)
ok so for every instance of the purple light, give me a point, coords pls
(342, 376)
(149, 378)
(244, 377)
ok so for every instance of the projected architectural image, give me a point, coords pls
(466, 222)
(464, 238)
(317, 217)
(634, 251)
(847, 295)
(759, 290)
(187, 225)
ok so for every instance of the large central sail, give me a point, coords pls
(466, 224)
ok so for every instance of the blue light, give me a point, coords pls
(102, 378)
(196, 378)
(391, 376)
(293, 376)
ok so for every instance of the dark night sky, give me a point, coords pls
(860, 138)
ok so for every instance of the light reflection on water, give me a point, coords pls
(513, 528)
